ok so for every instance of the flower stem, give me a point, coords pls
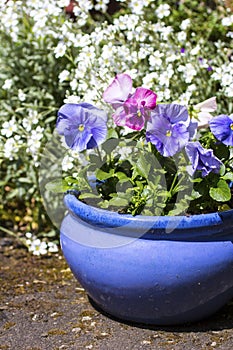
(13, 234)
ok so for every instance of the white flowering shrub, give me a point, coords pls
(66, 51)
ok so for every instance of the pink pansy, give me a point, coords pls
(132, 110)
(204, 108)
(137, 108)
(118, 91)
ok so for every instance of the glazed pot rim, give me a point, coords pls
(218, 225)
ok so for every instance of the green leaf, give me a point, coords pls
(221, 193)
(118, 202)
(228, 176)
(109, 145)
(102, 175)
(142, 167)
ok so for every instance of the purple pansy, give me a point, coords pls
(83, 125)
(202, 159)
(132, 110)
(170, 128)
(222, 128)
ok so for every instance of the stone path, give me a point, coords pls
(42, 307)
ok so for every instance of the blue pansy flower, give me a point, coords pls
(170, 128)
(83, 125)
(202, 159)
(222, 128)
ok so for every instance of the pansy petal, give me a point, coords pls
(222, 128)
(145, 97)
(209, 105)
(134, 122)
(119, 116)
(203, 119)
(119, 90)
(202, 159)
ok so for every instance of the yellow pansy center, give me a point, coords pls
(231, 126)
(81, 127)
(139, 114)
(168, 133)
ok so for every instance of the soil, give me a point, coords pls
(42, 307)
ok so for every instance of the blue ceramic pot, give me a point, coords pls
(152, 270)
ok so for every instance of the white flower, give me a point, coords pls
(218, 73)
(185, 24)
(63, 3)
(155, 60)
(12, 146)
(229, 91)
(195, 50)
(8, 128)
(64, 75)
(38, 247)
(7, 84)
(230, 35)
(52, 247)
(67, 163)
(163, 11)
(227, 21)
(21, 95)
(137, 6)
(60, 50)
(72, 99)
(101, 5)
(227, 79)
(181, 36)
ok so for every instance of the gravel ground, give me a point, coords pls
(42, 307)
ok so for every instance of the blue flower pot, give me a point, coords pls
(151, 270)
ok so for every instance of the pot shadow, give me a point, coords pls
(222, 319)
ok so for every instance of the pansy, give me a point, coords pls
(222, 128)
(204, 109)
(202, 159)
(132, 110)
(82, 125)
(170, 128)
(119, 90)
